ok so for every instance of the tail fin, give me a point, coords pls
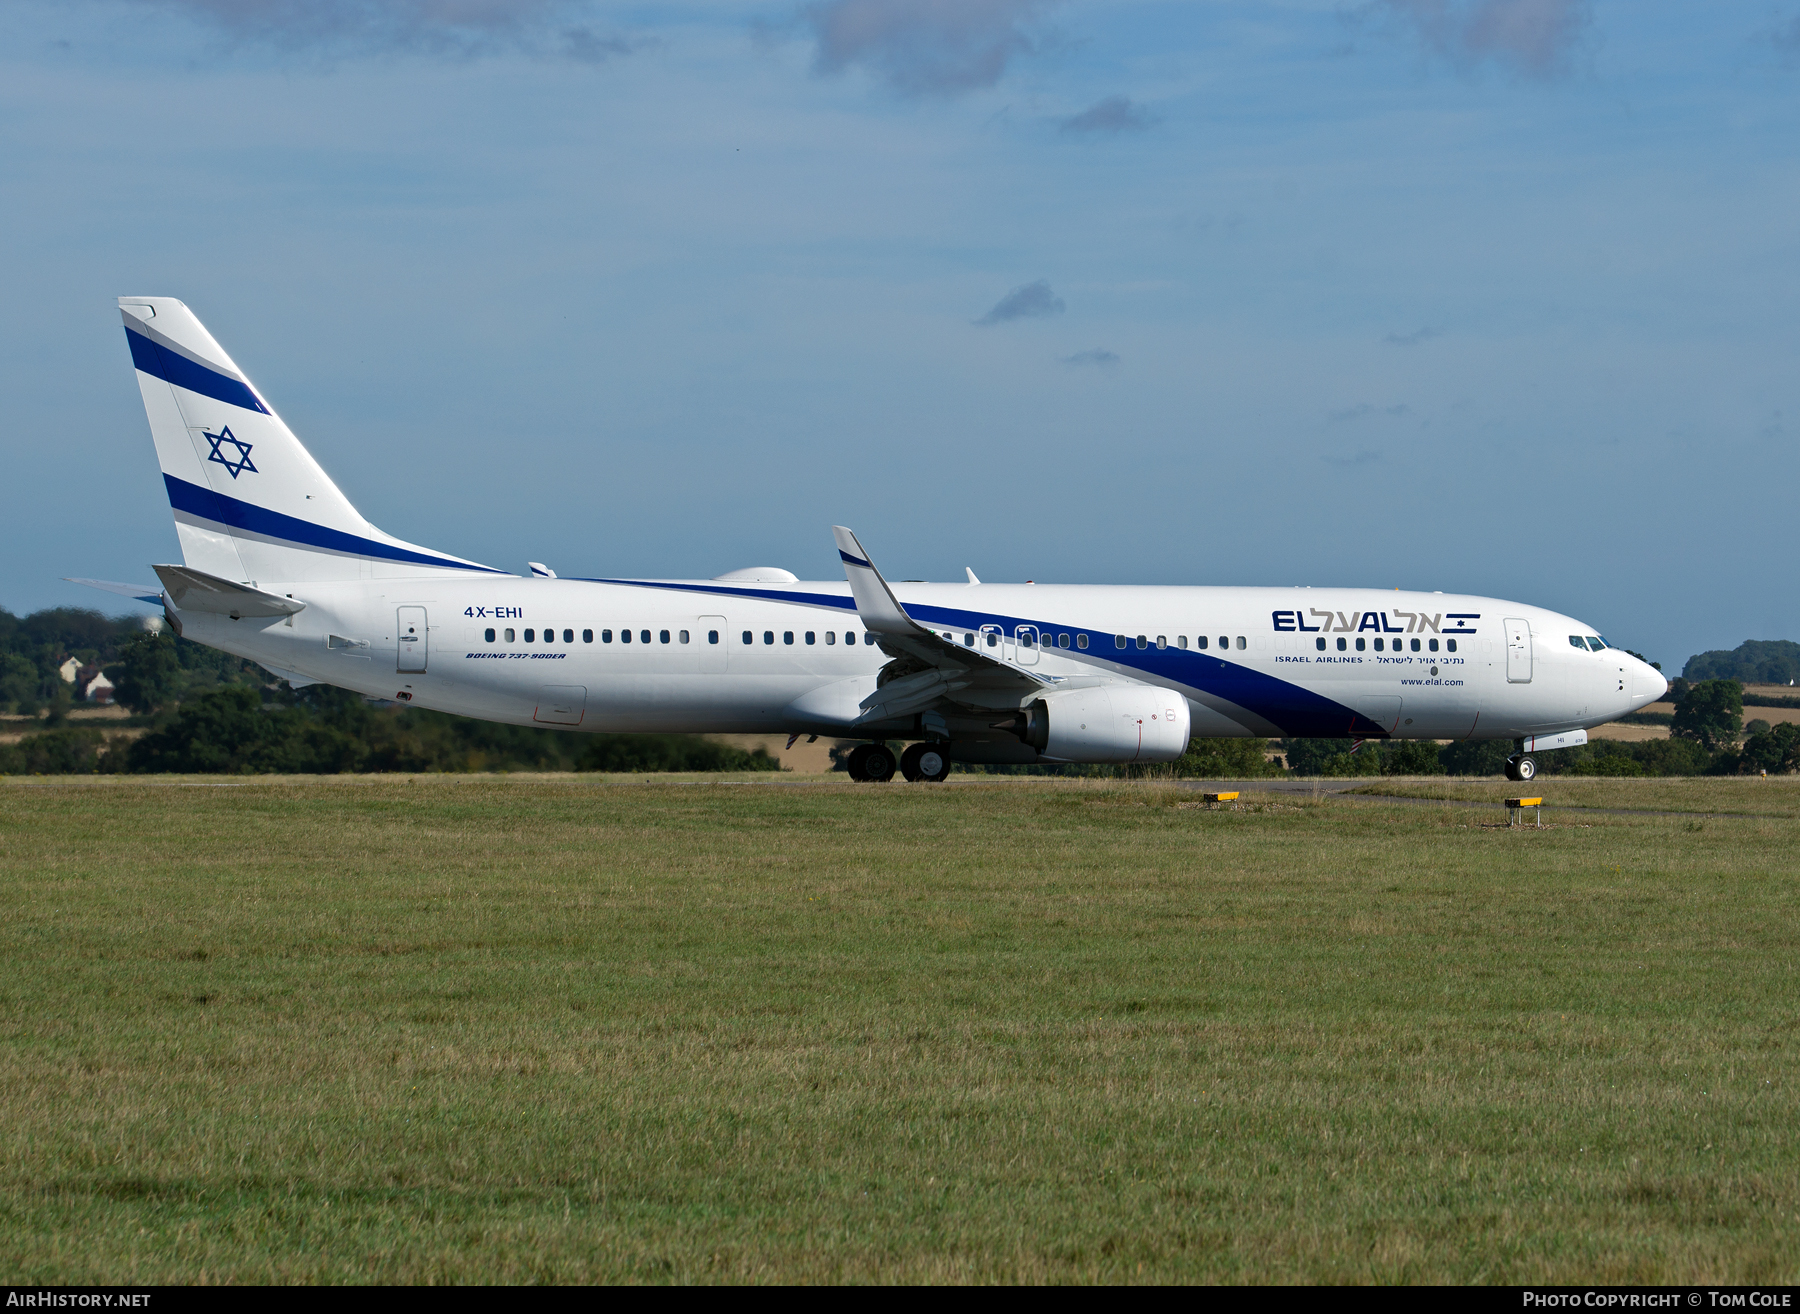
(250, 502)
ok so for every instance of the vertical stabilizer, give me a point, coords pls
(250, 502)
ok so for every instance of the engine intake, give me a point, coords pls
(1111, 723)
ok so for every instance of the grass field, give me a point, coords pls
(509, 1029)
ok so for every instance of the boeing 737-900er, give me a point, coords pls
(279, 568)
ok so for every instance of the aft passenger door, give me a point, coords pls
(1518, 652)
(413, 640)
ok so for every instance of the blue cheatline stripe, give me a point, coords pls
(855, 561)
(172, 367)
(228, 511)
(1295, 710)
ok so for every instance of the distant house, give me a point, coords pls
(91, 684)
(69, 670)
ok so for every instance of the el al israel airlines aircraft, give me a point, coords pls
(279, 568)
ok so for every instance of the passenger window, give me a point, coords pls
(1360, 645)
(1342, 645)
(661, 634)
(768, 636)
(1081, 641)
(1162, 641)
(1181, 641)
(1319, 644)
(1062, 641)
(1378, 645)
(850, 637)
(624, 636)
(684, 636)
(968, 640)
(1119, 640)
(1450, 644)
(830, 637)
(605, 636)
(528, 634)
(1143, 642)
(748, 638)
(811, 637)
(993, 640)
(712, 636)
(490, 636)
(587, 636)
(1241, 644)
(1224, 641)
(1432, 644)
(568, 636)
(1415, 645)
(644, 636)
(787, 637)
(509, 636)
(1200, 640)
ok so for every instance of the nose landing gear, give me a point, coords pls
(925, 762)
(1521, 767)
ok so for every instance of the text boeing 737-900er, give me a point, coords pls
(279, 568)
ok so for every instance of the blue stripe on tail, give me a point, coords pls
(173, 367)
(229, 511)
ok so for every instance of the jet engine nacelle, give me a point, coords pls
(1111, 723)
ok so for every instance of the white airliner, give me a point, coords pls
(279, 568)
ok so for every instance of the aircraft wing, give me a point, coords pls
(926, 666)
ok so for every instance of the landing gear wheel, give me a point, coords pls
(853, 765)
(871, 762)
(1521, 768)
(925, 762)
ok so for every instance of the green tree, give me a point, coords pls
(1755, 661)
(55, 753)
(1711, 714)
(147, 675)
(1482, 757)
(1412, 757)
(1307, 757)
(1227, 759)
(18, 684)
(1773, 750)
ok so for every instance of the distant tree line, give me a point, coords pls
(1755, 661)
(203, 711)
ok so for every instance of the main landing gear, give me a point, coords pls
(873, 762)
(1521, 768)
(870, 762)
(925, 762)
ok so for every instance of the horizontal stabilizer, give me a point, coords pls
(147, 593)
(195, 590)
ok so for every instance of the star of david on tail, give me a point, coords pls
(242, 461)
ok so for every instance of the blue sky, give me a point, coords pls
(1484, 295)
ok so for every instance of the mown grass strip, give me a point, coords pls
(504, 1030)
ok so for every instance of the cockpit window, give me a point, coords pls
(1597, 643)
(1575, 641)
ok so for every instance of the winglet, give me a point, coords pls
(876, 605)
(971, 571)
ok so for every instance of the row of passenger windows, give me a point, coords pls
(663, 636)
(1431, 645)
(992, 637)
